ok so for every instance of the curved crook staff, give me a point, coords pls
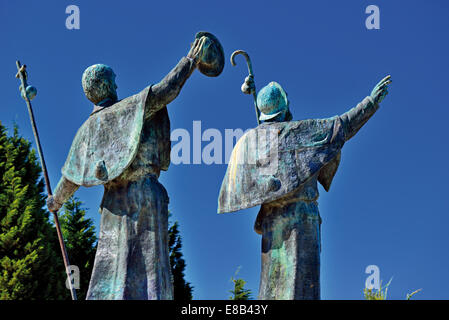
(250, 76)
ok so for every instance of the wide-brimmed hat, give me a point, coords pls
(271, 100)
(212, 61)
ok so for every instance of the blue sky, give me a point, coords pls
(388, 204)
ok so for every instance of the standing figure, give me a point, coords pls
(277, 165)
(124, 145)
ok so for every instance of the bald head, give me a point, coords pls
(99, 84)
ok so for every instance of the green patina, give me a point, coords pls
(281, 174)
(282, 266)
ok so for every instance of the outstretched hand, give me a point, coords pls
(381, 90)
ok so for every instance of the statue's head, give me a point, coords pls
(99, 84)
(273, 103)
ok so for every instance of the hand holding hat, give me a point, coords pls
(208, 53)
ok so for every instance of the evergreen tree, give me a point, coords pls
(239, 292)
(182, 289)
(80, 239)
(30, 263)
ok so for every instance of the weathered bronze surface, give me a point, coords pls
(288, 152)
(124, 145)
(248, 87)
(278, 166)
(110, 138)
(212, 62)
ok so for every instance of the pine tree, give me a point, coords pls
(80, 239)
(30, 265)
(182, 289)
(239, 292)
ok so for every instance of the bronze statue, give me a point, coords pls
(124, 145)
(277, 165)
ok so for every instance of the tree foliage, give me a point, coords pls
(381, 293)
(182, 288)
(30, 264)
(239, 292)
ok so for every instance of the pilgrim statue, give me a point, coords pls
(124, 145)
(278, 165)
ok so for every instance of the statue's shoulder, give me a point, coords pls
(109, 137)
(304, 127)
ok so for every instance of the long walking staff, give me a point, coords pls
(251, 76)
(22, 74)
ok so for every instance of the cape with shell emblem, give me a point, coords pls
(274, 159)
(108, 141)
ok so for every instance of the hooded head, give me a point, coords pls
(273, 103)
(99, 84)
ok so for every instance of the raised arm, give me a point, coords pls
(64, 190)
(355, 118)
(168, 88)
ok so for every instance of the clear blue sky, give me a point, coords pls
(388, 204)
